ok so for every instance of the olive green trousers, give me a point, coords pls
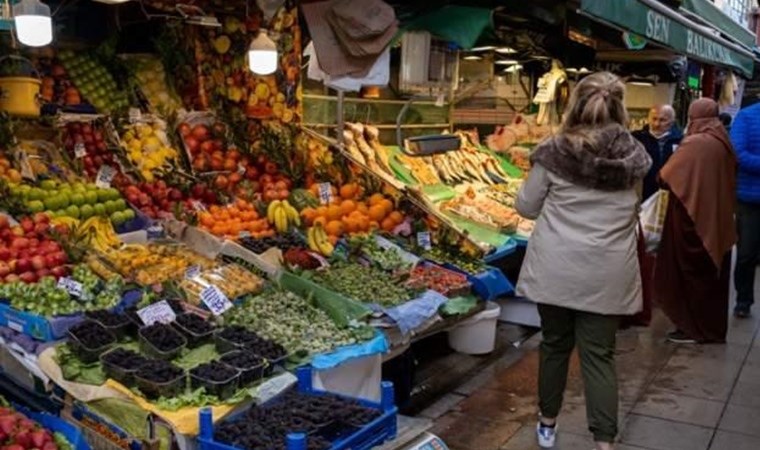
(594, 334)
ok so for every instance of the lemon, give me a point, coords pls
(262, 91)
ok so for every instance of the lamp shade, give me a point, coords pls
(262, 55)
(34, 26)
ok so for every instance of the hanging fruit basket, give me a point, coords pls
(19, 92)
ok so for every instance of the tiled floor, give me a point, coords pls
(671, 397)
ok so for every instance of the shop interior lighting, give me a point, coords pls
(33, 23)
(485, 48)
(513, 69)
(506, 62)
(262, 54)
(506, 50)
(639, 81)
(581, 71)
(193, 15)
(472, 58)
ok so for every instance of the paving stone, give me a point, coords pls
(479, 434)
(679, 408)
(442, 406)
(725, 440)
(740, 419)
(658, 434)
(746, 394)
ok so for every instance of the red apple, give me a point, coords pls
(50, 260)
(60, 257)
(28, 277)
(27, 225)
(41, 218)
(200, 132)
(5, 269)
(20, 243)
(12, 278)
(59, 271)
(23, 265)
(5, 254)
(38, 262)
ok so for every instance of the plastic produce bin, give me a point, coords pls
(150, 350)
(153, 390)
(380, 430)
(222, 389)
(250, 373)
(193, 339)
(476, 335)
(85, 353)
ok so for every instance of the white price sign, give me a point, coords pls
(157, 312)
(197, 205)
(325, 193)
(134, 115)
(105, 177)
(424, 241)
(215, 299)
(73, 287)
(192, 272)
(79, 150)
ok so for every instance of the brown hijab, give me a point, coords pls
(702, 174)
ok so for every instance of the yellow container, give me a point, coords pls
(19, 96)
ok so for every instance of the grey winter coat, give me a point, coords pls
(585, 197)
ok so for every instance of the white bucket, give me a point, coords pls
(477, 335)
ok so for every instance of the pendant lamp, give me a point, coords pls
(34, 26)
(262, 54)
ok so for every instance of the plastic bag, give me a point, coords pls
(652, 218)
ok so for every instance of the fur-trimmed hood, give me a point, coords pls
(607, 159)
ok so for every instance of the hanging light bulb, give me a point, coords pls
(34, 27)
(262, 54)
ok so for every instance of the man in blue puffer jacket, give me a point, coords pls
(745, 135)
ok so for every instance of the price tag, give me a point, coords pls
(197, 205)
(79, 150)
(244, 234)
(423, 240)
(215, 299)
(155, 232)
(157, 312)
(192, 272)
(134, 115)
(325, 193)
(73, 287)
(105, 176)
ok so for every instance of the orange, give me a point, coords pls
(387, 205)
(206, 219)
(362, 207)
(376, 199)
(388, 225)
(234, 212)
(349, 191)
(377, 213)
(333, 239)
(374, 225)
(321, 220)
(350, 224)
(334, 212)
(214, 209)
(348, 207)
(363, 223)
(334, 228)
(322, 211)
(314, 189)
(396, 217)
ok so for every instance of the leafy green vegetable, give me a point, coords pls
(73, 369)
(62, 442)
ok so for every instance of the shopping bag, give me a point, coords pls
(652, 218)
(646, 269)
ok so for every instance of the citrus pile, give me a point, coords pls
(235, 220)
(348, 213)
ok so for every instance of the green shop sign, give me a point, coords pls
(637, 17)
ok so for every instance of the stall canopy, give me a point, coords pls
(710, 13)
(667, 27)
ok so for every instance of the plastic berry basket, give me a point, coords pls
(124, 375)
(154, 389)
(251, 373)
(193, 338)
(380, 430)
(124, 328)
(221, 389)
(87, 354)
(149, 349)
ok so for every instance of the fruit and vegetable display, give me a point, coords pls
(148, 148)
(28, 252)
(8, 172)
(158, 378)
(90, 339)
(87, 143)
(231, 279)
(155, 262)
(323, 418)
(152, 79)
(216, 378)
(94, 81)
(444, 281)
(239, 337)
(441, 255)
(232, 220)
(293, 321)
(162, 337)
(282, 241)
(363, 283)
(349, 214)
(19, 432)
(57, 87)
(158, 200)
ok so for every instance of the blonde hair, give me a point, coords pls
(597, 101)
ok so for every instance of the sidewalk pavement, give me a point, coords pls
(672, 397)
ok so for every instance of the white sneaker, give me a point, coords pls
(546, 435)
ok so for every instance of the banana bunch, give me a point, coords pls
(318, 240)
(282, 215)
(100, 233)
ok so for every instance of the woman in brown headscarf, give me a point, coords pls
(693, 261)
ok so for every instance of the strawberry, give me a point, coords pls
(39, 438)
(13, 447)
(7, 424)
(50, 446)
(23, 439)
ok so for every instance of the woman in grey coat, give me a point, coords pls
(581, 265)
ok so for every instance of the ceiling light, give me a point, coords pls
(506, 50)
(513, 69)
(262, 54)
(484, 48)
(637, 81)
(472, 58)
(506, 62)
(34, 27)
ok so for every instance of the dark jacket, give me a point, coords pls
(660, 150)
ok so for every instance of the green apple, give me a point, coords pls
(73, 211)
(100, 209)
(77, 198)
(118, 218)
(86, 211)
(91, 197)
(111, 207)
(36, 206)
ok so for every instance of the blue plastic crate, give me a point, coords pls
(377, 432)
(57, 425)
(489, 284)
(505, 250)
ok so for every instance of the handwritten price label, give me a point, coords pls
(215, 300)
(105, 176)
(79, 150)
(134, 115)
(325, 193)
(157, 312)
(192, 272)
(73, 287)
(424, 241)
(155, 231)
